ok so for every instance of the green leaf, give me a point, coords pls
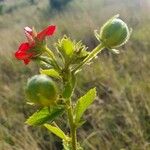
(65, 47)
(50, 72)
(83, 103)
(57, 131)
(68, 46)
(44, 115)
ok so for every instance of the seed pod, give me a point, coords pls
(41, 90)
(114, 33)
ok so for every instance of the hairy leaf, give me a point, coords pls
(44, 115)
(51, 73)
(57, 131)
(83, 103)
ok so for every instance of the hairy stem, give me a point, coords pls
(51, 54)
(72, 125)
(92, 55)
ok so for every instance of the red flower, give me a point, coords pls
(29, 49)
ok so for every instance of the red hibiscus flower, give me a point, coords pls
(32, 48)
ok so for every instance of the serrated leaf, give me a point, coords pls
(65, 47)
(83, 103)
(51, 73)
(44, 115)
(57, 131)
(68, 47)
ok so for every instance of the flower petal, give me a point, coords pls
(29, 34)
(24, 46)
(28, 30)
(22, 51)
(46, 32)
(26, 61)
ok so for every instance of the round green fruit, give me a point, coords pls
(114, 33)
(41, 90)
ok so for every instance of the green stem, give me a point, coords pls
(72, 125)
(44, 60)
(51, 54)
(93, 53)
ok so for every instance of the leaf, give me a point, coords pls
(57, 131)
(68, 46)
(65, 46)
(44, 115)
(83, 103)
(50, 72)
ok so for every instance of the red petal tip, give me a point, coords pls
(46, 32)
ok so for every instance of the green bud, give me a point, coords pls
(80, 53)
(71, 51)
(114, 33)
(66, 48)
(41, 90)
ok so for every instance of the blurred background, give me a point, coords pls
(119, 119)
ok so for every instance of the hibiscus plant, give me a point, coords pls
(53, 88)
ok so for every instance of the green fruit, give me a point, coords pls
(41, 90)
(114, 33)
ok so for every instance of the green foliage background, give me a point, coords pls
(119, 119)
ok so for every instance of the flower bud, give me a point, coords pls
(114, 33)
(73, 52)
(41, 90)
(66, 48)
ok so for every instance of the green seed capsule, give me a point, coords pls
(114, 33)
(41, 90)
